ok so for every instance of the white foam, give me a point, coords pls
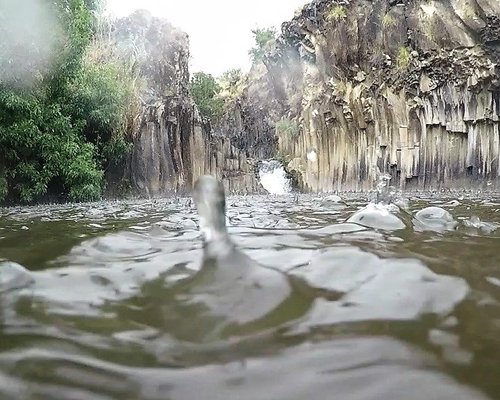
(273, 177)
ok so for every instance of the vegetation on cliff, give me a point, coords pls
(205, 91)
(264, 39)
(353, 88)
(213, 95)
(62, 116)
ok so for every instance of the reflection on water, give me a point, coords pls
(98, 301)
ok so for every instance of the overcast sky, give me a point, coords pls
(219, 30)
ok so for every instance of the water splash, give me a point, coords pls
(384, 194)
(435, 219)
(384, 213)
(378, 216)
(273, 177)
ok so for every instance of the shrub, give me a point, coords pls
(101, 96)
(388, 21)
(403, 58)
(231, 84)
(42, 126)
(3, 186)
(205, 91)
(336, 13)
(287, 127)
(40, 147)
(263, 38)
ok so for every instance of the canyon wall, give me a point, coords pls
(172, 146)
(351, 88)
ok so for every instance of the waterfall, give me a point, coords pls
(273, 177)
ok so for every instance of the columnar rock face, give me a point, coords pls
(172, 147)
(411, 88)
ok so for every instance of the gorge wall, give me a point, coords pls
(411, 88)
(172, 146)
(349, 90)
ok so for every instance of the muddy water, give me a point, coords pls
(385, 305)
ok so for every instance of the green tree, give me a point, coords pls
(99, 96)
(41, 148)
(58, 132)
(205, 91)
(263, 38)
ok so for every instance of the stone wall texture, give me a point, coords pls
(410, 88)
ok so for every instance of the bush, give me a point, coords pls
(114, 151)
(205, 91)
(57, 135)
(263, 39)
(101, 96)
(97, 97)
(232, 84)
(3, 186)
(403, 58)
(287, 127)
(336, 13)
(40, 147)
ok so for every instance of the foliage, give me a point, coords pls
(287, 127)
(388, 21)
(263, 38)
(403, 58)
(336, 13)
(231, 77)
(58, 134)
(40, 146)
(100, 95)
(3, 186)
(205, 91)
(76, 21)
(232, 84)
(115, 150)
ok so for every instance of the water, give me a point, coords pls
(273, 177)
(90, 308)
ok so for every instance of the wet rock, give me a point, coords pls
(327, 272)
(333, 201)
(475, 222)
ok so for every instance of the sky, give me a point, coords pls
(219, 30)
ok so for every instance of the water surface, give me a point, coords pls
(389, 310)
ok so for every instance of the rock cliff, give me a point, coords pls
(411, 88)
(172, 147)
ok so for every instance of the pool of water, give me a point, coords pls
(386, 303)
